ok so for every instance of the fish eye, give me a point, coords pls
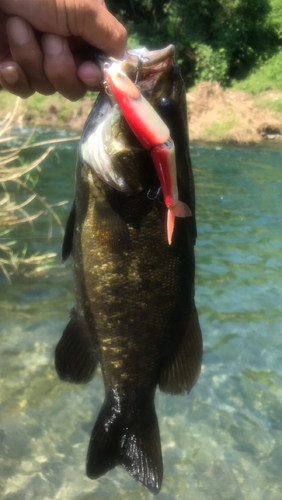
(166, 106)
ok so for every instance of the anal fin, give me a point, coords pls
(182, 371)
(75, 358)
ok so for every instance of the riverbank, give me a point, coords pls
(215, 114)
(218, 115)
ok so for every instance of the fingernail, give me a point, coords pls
(18, 31)
(10, 74)
(53, 45)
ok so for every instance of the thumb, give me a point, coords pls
(102, 30)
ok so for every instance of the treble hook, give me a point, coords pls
(139, 67)
(107, 89)
(155, 196)
(139, 64)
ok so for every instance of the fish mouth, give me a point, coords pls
(142, 65)
(153, 61)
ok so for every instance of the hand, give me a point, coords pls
(44, 45)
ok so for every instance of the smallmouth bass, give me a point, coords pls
(134, 307)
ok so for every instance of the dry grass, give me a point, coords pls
(13, 214)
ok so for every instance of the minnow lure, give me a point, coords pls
(154, 136)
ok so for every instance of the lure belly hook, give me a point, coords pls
(154, 136)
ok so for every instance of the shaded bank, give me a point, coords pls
(215, 115)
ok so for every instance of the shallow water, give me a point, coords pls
(221, 442)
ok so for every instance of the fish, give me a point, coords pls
(134, 312)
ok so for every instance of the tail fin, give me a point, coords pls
(179, 210)
(134, 444)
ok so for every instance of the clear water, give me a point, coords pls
(221, 442)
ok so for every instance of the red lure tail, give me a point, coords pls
(179, 210)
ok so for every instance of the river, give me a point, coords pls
(221, 442)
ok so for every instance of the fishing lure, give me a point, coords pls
(154, 136)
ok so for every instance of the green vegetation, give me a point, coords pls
(217, 40)
(6, 100)
(64, 115)
(219, 131)
(270, 104)
(57, 105)
(267, 76)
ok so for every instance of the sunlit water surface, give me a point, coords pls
(224, 440)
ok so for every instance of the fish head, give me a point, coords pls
(158, 76)
(154, 72)
(112, 149)
(158, 79)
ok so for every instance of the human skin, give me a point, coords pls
(44, 44)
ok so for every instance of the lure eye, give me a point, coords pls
(116, 76)
(119, 82)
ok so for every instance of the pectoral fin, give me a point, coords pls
(75, 357)
(182, 371)
(67, 241)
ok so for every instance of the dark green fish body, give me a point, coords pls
(134, 294)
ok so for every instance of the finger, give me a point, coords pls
(60, 67)
(91, 76)
(13, 79)
(26, 52)
(86, 18)
(102, 30)
(4, 46)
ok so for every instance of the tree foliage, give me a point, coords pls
(215, 39)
